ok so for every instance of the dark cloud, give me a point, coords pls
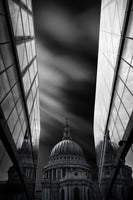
(67, 46)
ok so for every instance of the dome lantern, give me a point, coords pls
(66, 133)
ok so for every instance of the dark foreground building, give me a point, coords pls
(123, 180)
(19, 101)
(114, 93)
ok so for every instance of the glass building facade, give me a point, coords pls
(19, 97)
(114, 89)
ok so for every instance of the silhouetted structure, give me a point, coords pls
(114, 90)
(19, 99)
(123, 181)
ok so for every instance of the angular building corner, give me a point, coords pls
(113, 117)
(19, 101)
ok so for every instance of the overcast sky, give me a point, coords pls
(67, 35)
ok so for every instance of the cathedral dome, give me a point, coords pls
(68, 147)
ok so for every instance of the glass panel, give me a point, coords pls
(128, 101)
(12, 75)
(119, 127)
(19, 106)
(28, 48)
(20, 140)
(34, 89)
(123, 71)
(29, 4)
(12, 120)
(26, 82)
(4, 36)
(115, 137)
(114, 112)
(1, 63)
(31, 26)
(16, 131)
(116, 101)
(30, 101)
(129, 82)
(128, 50)
(24, 1)
(16, 18)
(130, 26)
(119, 87)
(7, 105)
(123, 116)
(4, 85)
(24, 127)
(25, 22)
(33, 48)
(35, 66)
(16, 92)
(7, 54)
(22, 55)
(129, 158)
(31, 69)
(115, 22)
(22, 117)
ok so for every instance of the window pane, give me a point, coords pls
(16, 132)
(7, 54)
(7, 105)
(16, 92)
(33, 48)
(25, 22)
(119, 87)
(128, 101)
(129, 82)
(128, 50)
(22, 117)
(123, 71)
(12, 75)
(4, 36)
(123, 116)
(29, 53)
(1, 63)
(12, 120)
(31, 26)
(22, 55)
(16, 18)
(26, 82)
(4, 85)
(130, 26)
(20, 140)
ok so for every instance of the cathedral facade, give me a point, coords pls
(68, 175)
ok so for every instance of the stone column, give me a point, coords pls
(72, 193)
(48, 194)
(56, 174)
(52, 174)
(61, 172)
(65, 193)
(83, 193)
(69, 193)
(86, 193)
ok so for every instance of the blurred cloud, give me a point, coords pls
(67, 42)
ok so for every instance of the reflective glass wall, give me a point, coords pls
(19, 92)
(114, 90)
